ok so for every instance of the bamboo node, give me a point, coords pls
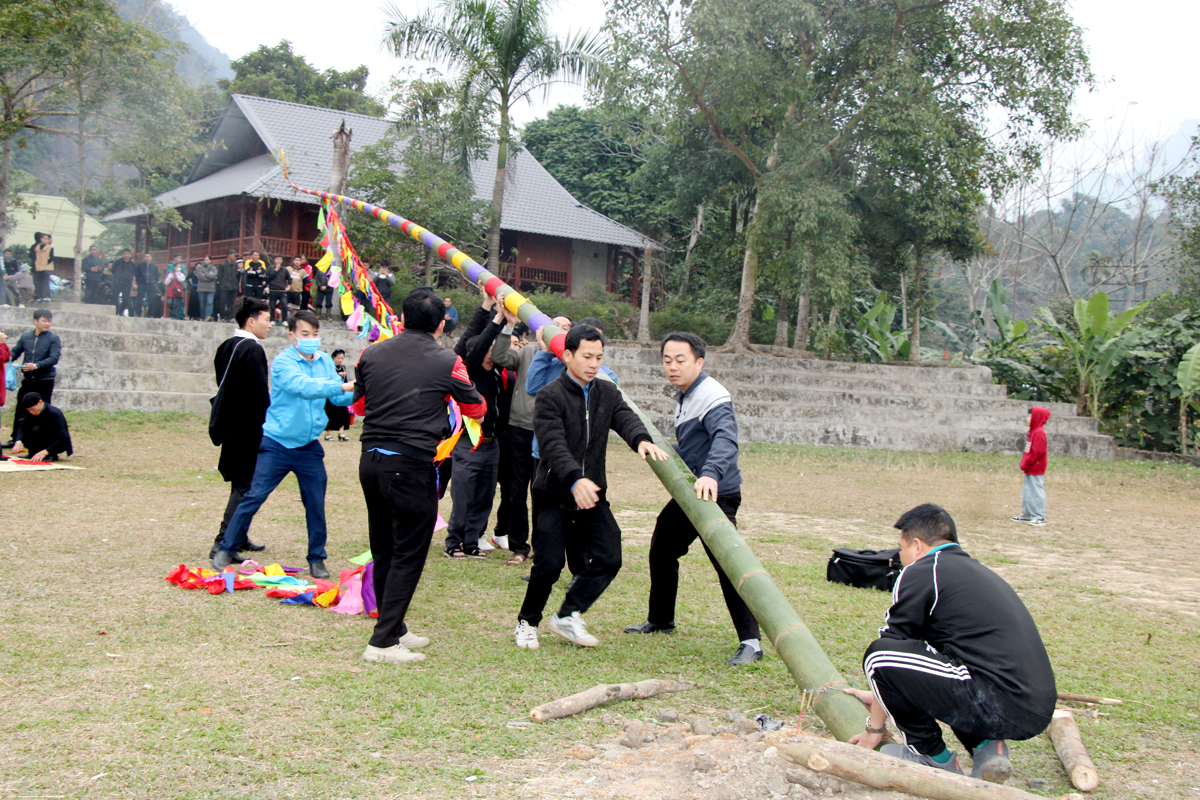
(748, 576)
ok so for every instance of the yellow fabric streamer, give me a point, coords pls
(326, 599)
(326, 261)
(347, 304)
(274, 571)
(474, 430)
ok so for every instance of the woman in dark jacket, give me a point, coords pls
(339, 416)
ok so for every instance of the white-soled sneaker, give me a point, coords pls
(501, 542)
(1040, 522)
(391, 655)
(413, 642)
(526, 636)
(572, 629)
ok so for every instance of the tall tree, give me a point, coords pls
(783, 84)
(280, 74)
(503, 52)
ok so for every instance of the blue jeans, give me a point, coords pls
(1033, 497)
(206, 305)
(274, 463)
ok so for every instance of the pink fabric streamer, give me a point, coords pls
(352, 601)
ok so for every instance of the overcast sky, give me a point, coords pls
(1142, 54)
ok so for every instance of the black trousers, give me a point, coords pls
(41, 283)
(401, 497)
(237, 491)
(919, 686)
(44, 387)
(516, 471)
(673, 535)
(600, 537)
(278, 300)
(123, 297)
(223, 306)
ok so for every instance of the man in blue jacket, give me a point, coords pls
(302, 379)
(707, 435)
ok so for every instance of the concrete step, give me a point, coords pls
(791, 381)
(107, 400)
(87, 377)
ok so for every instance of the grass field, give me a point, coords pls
(117, 684)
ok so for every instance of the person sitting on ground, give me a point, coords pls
(302, 379)
(42, 430)
(451, 318)
(958, 646)
(572, 418)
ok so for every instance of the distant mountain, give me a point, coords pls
(203, 63)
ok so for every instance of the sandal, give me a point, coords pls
(476, 553)
(328, 438)
(455, 552)
(517, 560)
(343, 438)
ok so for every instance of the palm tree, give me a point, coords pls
(503, 52)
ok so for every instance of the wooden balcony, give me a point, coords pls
(534, 275)
(266, 245)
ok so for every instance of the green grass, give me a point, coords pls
(108, 670)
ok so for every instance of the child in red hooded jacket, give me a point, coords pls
(1033, 464)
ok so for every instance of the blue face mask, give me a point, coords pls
(308, 346)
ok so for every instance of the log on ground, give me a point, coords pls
(1068, 743)
(869, 768)
(1070, 697)
(606, 693)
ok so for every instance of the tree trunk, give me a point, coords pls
(1183, 426)
(77, 280)
(647, 278)
(833, 318)
(914, 338)
(781, 321)
(606, 693)
(339, 174)
(5, 178)
(739, 339)
(429, 268)
(493, 261)
(697, 229)
(802, 312)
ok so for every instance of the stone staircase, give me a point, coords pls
(115, 363)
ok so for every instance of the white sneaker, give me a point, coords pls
(413, 642)
(501, 542)
(485, 546)
(396, 654)
(526, 636)
(1037, 523)
(572, 629)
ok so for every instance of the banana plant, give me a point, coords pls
(997, 303)
(1188, 378)
(1099, 346)
(874, 332)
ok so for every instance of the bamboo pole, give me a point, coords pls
(812, 670)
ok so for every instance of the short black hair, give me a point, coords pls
(699, 348)
(579, 334)
(304, 316)
(42, 312)
(598, 324)
(928, 522)
(126, 250)
(423, 310)
(249, 308)
(338, 352)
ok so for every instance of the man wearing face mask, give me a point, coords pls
(302, 379)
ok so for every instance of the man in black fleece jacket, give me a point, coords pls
(571, 420)
(402, 384)
(959, 646)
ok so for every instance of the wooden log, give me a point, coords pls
(1068, 743)
(879, 771)
(1087, 698)
(606, 693)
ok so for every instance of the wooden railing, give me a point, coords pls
(517, 275)
(268, 246)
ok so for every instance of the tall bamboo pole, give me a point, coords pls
(812, 670)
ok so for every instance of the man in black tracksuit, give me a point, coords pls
(123, 273)
(959, 646)
(473, 474)
(402, 384)
(707, 432)
(277, 286)
(229, 278)
(571, 420)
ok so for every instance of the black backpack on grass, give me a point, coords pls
(866, 569)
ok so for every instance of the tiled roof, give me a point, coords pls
(534, 201)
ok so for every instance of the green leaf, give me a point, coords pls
(1097, 312)
(1188, 374)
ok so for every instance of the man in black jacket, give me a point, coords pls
(959, 646)
(254, 276)
(241, 372)
(402, 384)
(42, 430)
(123, 273)
(277, 286)
(92, 266)
(229, 278)
(41, 348)
(572, 418)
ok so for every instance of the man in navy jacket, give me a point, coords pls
(707, 435)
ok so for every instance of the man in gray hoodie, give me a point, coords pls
(206, 285)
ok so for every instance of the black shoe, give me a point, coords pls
(317, 570)
(525, 578)
(745, 655)
(221, 560)
(650, 627)
(250, 546)
(213, 554)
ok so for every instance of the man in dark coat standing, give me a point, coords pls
(241, 363)
(123, 272)
(229, 278)
(41, 349)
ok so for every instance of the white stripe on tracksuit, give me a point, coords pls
(917, 663)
